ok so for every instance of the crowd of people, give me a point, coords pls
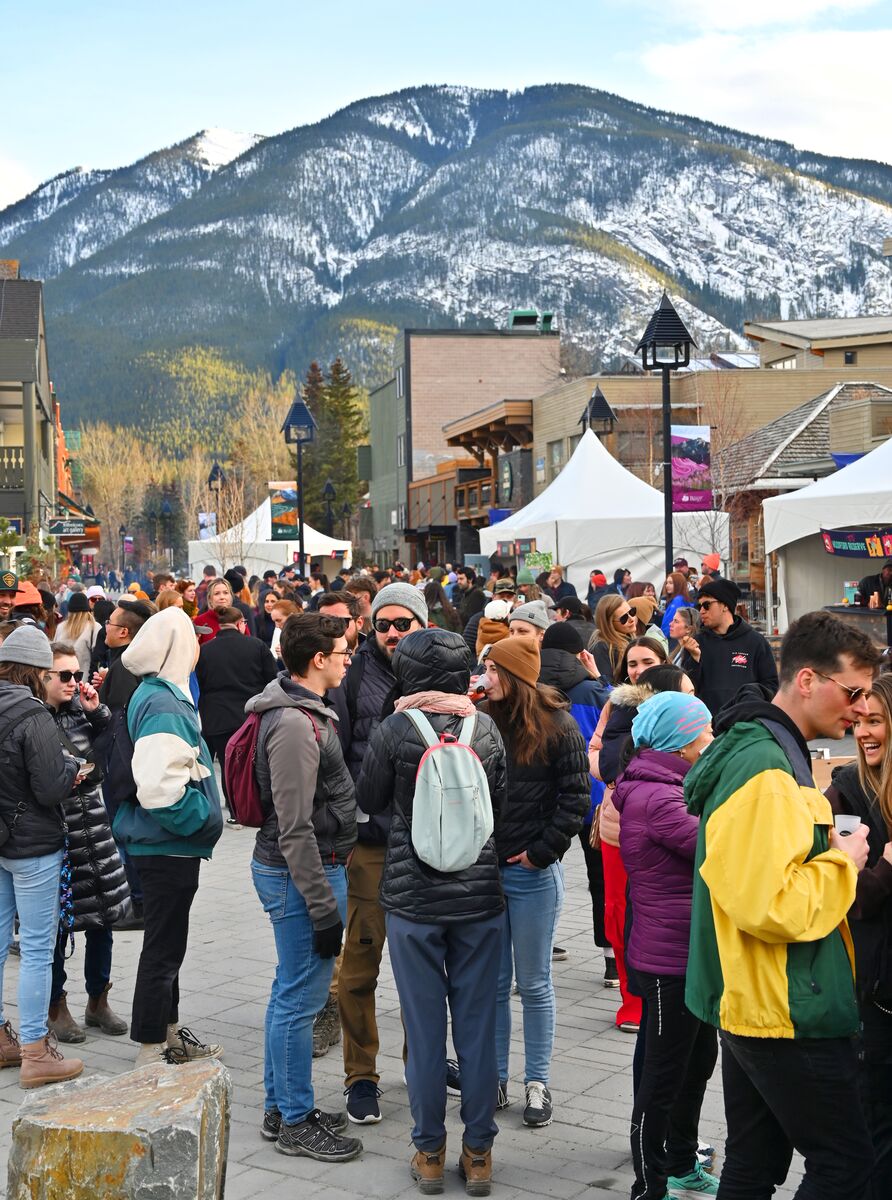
(426, 746)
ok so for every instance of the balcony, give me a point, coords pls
(12, 468)
(473, 499)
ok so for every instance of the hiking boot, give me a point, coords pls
(453, 1077)
(611, 973)
(98, 1015)
(502, 1100)
(62, 1024)
(272, 1123)
(426, 1168)
(538, 1111)
(311, 1138)
(475, 1168)
(186, 1045)
(690, 1187)
(326, 1028)
(362, 1102)
(10, 1050)
(42, 1063)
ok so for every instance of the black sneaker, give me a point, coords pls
(502, 1101)
(538, 1111)
(310, 1138)
(611, 973)
(453, 1077)
(272, 1123)
(558, 954)
(362, 1102)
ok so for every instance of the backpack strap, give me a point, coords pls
(466, 733)
(423, 726)
(801, 767)
(315, 726)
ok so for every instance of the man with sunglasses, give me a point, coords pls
(771, 961)
(362, 701)
(727, 653)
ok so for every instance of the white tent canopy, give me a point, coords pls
(250, 544)
(857, 496)
(598, 514)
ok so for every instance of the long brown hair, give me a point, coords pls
(525, 717)
(30, 677)
(679, 586)
(877, 781)
(606, 631)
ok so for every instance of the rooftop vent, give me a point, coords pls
(531, 318)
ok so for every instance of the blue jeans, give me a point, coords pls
(97, 963)
(30, 886)
(534, 900)
(300, 989)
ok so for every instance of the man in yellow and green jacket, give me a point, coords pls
(771, 962)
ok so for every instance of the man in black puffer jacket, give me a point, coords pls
(444, 929)
(98, 882)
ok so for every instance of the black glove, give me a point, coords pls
(327, 941)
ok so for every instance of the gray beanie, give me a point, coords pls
(406, 596)
(27, 645)
(535, 613)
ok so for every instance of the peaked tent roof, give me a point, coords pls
(859, 494)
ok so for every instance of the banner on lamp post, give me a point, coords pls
(691, 468)
(283, 512)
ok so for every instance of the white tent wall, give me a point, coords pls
(808, 578)
(598, 514)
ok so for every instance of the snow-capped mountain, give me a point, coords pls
(444, 205)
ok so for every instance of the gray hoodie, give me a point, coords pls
(306, 790)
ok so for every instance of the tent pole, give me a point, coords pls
(769, 597)
(557, 553)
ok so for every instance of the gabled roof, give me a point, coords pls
(804, 334)
(20, 309)
(799, 438)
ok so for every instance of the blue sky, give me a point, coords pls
(107, 83)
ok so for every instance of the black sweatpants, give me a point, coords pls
(594, 868)
(168, 886)
(876, 1090)
(679, 1057)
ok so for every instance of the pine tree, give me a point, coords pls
(340, 428)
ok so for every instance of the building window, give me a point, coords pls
(785, 364)
(850, 357)
(401, 519)
(400, 449)
(574, 442)
(472, 497)
(555, 458)
(400, 381)
(459, 497)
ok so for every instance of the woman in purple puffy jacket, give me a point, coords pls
(658, 837)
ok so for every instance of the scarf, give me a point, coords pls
(438, 702)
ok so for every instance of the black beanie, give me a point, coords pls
(235, 581)
(563, 635)
(723, 590)
(78, 602)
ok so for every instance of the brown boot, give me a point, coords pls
(10, 1050)
(42, 1063)
(62, 1023)
(426, 1168)
(99, 1014)
(475, 1168)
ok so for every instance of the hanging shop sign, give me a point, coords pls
(858, 543)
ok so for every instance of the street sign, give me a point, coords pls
(67, 527)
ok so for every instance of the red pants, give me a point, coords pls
(614, 927)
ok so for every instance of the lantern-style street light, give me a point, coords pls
(299, 430)
(122, 534)
(328, 495)
(665, 346)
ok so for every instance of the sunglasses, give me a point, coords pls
(77, 676)
(704, 604)
(626, 618)
(855, 694)
(400, 624)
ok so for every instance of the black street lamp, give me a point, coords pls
(598, 415)
(665, 346)
(166, 515)
(328, 495)
(152, 518)
(122, 534)
(216, 483)
(299, 430)
(346, 514)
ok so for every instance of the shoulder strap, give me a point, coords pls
(792, 749)
(21, 712)
(315, 726)
(466, 733)
(422, 725)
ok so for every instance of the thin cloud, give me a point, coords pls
(708, 15)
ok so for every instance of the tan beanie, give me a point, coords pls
(519, 656)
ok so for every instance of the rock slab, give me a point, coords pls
(156, 1133)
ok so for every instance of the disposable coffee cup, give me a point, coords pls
(845, 824)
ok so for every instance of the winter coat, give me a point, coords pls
(624, 702)
(363, 700)
(771, 954)
(609, 824)
(607, 658)
(594, 594)
(727, 663)
(562, 670)
(437, 617)
(562, 590)
(871, 918)
(487, 633)
(306, 791)
(548, 799)
(98, 884)
(658, 838)
(231, 669)
(37, 775)
(209, 620)
(432, 661)
(474, 600)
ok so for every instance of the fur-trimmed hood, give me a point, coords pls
(630, 695)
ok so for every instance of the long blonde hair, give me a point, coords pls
(606, 631)
(877, 781)
(77, 623)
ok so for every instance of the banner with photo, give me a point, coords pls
(859, 543)
(283, 512)
(691, 469)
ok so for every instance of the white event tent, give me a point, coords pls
(856, 496)
(250, 544)
(598, 514)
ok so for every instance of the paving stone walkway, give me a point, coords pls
(224, 988)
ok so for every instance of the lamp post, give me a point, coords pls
(328, 495)
(122, 534)
(598, 415)
(166, 515)
(216, 483)
(346, 514)
(665, 346)
(152, 517)
(299, 430)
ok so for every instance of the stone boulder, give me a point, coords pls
(156, 1133)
